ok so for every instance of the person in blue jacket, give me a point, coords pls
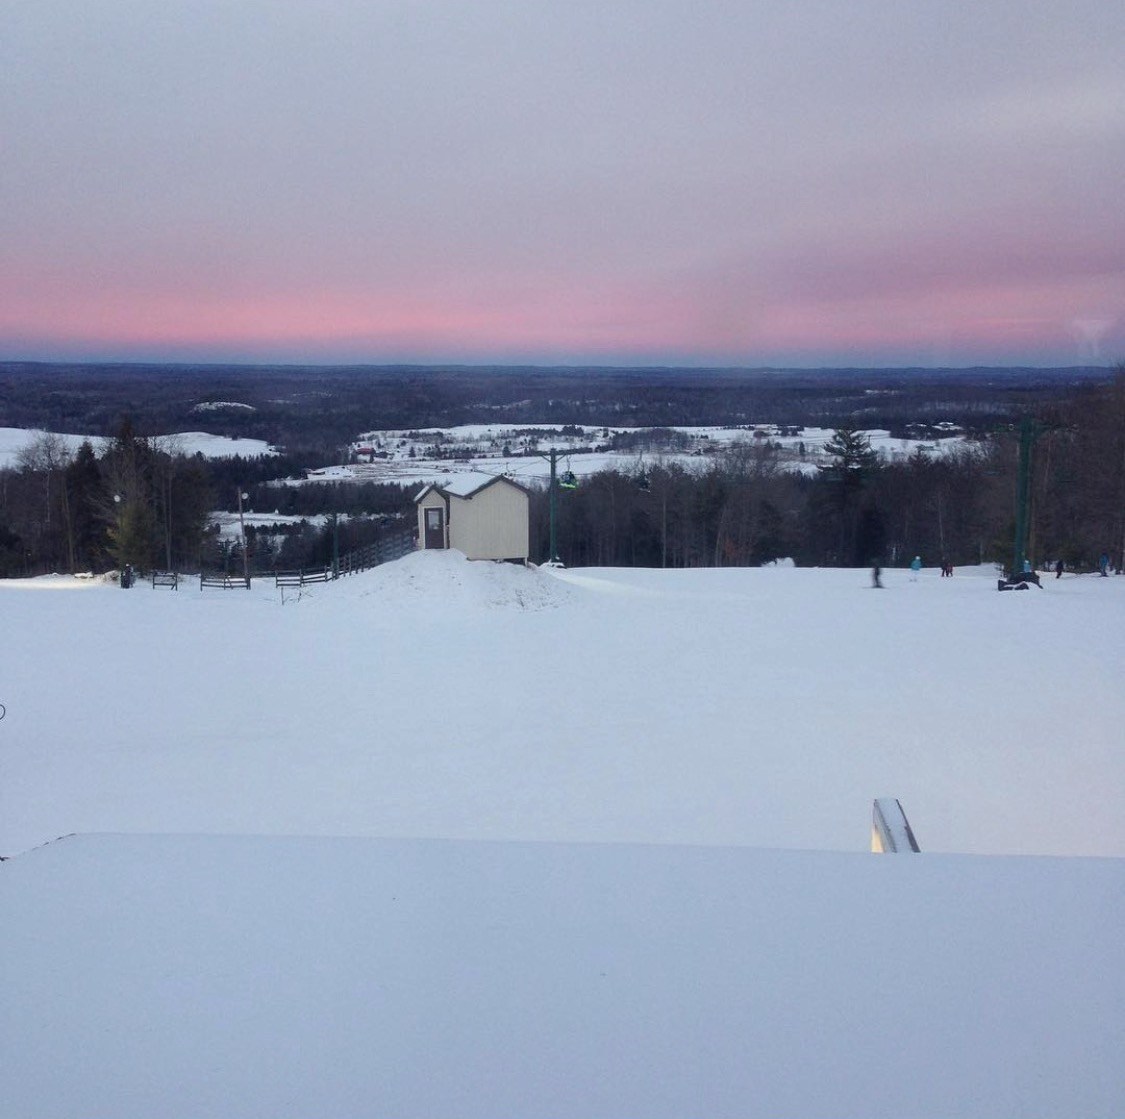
(915, 567)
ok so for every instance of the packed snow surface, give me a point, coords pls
(256, 978)
(433, 697)
(338, 937)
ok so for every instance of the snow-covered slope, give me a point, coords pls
(438, 698)
(660, 725)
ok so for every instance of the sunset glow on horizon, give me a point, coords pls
(625, 183)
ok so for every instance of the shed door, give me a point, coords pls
(435, 528)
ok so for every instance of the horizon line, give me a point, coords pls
(554, 367)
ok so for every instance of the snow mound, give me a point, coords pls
(448, 579)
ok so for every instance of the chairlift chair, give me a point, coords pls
(567, 480)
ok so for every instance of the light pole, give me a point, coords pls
(126, 548)
(242, 532)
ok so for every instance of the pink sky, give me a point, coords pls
(718, 183)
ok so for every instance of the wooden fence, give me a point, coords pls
(223, 581)
(302, 578)
(391, 547)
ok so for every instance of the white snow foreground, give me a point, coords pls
(183, 977)
(649, 729)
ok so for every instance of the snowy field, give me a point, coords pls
(407, 457)
(421, 456)
(14, 439)
(294, 913)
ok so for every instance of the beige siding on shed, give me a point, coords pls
(492, 524)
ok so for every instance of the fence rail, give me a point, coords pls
(166, 579)
(388, 548)
(223, 581)
(302, 578)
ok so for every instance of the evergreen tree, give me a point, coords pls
(88, 501)
(132, 535)
(189, 503)
(839, 499)
(854, 458)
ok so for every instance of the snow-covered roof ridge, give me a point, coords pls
(467, 484)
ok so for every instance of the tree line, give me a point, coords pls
(745, 508)
(138, 500)
(314, 411)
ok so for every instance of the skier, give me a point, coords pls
(876, 572)
(915, 567)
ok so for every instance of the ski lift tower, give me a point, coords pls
(1020, 573)
(567, 482)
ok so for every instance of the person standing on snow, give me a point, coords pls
(915, 567)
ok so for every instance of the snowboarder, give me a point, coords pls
(915, 567)
(876, 573)
(1103, 564)
(1058, 569)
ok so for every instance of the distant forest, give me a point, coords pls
(137, 501)
(317, 410)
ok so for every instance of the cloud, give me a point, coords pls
(503, 176)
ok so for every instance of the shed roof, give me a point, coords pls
(468, 484)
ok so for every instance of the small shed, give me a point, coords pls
(483, 515)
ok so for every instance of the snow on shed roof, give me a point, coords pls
(467, 484)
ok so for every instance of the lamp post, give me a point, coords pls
(125, 542)
(242, 533)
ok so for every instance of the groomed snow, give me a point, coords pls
(433, 697)
(250, 978)
(662, 730)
